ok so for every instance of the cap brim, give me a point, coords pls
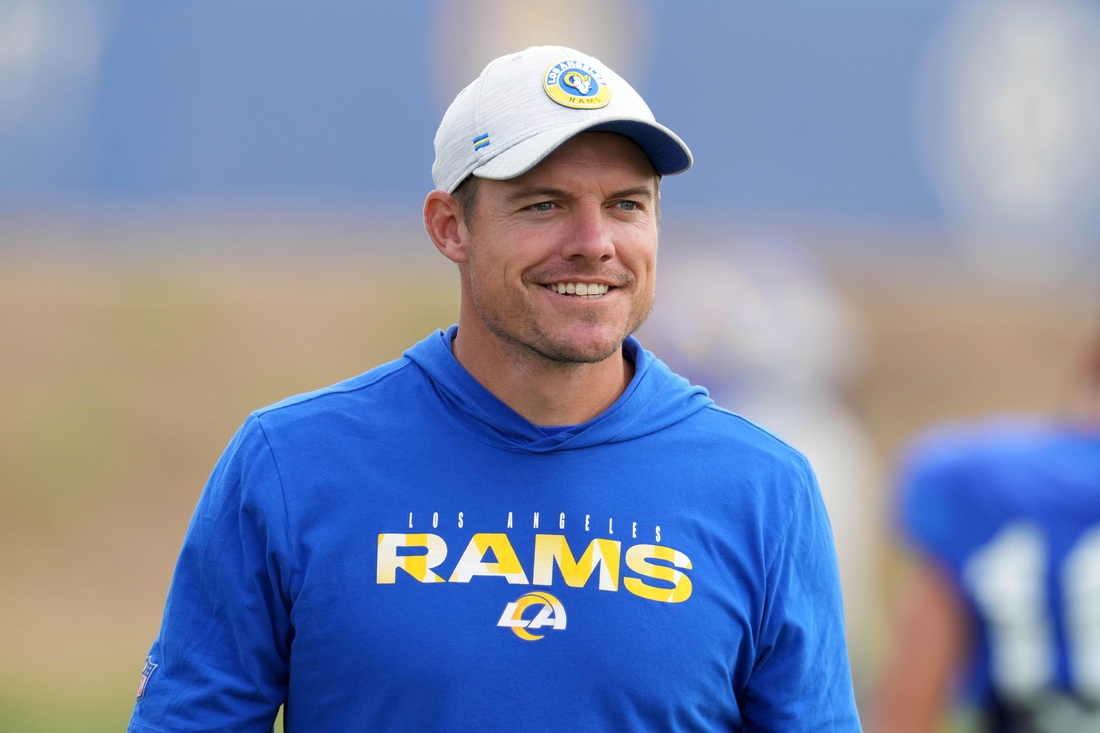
(668, 153)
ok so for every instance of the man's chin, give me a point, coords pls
(577, 350)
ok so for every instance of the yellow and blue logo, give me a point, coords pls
(577, 85)
(551, 614)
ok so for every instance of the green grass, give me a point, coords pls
(119, 388)
(58, 716)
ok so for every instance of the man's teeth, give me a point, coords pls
(585, 290)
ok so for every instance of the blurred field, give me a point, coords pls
(120, 387)
(945, 346)
(121, 384)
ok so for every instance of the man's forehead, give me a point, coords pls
(589, 152)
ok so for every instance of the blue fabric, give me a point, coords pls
(283, 590)
(549, 430)
(963, 487)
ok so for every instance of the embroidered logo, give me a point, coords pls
(576, 84)
(145, 675)
(551, 614)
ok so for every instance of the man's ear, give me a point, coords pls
(444, 224)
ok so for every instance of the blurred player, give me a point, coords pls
(1004, 603)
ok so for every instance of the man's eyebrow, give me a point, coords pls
(530, 193)
(643, 191)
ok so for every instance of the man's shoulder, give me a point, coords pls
(356, 393)
(738, 438)
(961, 447)
(960, 480)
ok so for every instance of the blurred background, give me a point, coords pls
(893, 218)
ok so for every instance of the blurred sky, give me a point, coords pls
(822, 110)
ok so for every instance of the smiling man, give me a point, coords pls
(527, 522)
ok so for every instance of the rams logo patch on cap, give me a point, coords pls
(576, 84)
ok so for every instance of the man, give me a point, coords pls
(527, 522)
(1004, 601)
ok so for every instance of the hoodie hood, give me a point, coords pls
(655, 399)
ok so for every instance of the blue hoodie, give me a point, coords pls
(403, 551)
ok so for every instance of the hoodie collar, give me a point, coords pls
(655, 399)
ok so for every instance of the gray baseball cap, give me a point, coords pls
(524, 105)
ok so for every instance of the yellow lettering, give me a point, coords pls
(471, 563)
(418, 566)
(552, 548)
(637, 558)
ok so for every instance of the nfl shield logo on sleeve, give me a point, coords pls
(145, 675)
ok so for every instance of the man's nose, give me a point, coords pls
(590, 234)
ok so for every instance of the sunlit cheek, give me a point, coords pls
(648, 291)
(645, 264)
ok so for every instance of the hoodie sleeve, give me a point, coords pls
(801, 680)
(221, 659)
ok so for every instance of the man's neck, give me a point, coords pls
(544, 391)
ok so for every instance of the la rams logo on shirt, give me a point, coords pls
(576, 84)
(551, 613)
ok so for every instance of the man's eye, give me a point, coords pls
(628, 205)
(542, 206)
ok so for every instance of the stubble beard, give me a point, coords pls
(531, 342)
